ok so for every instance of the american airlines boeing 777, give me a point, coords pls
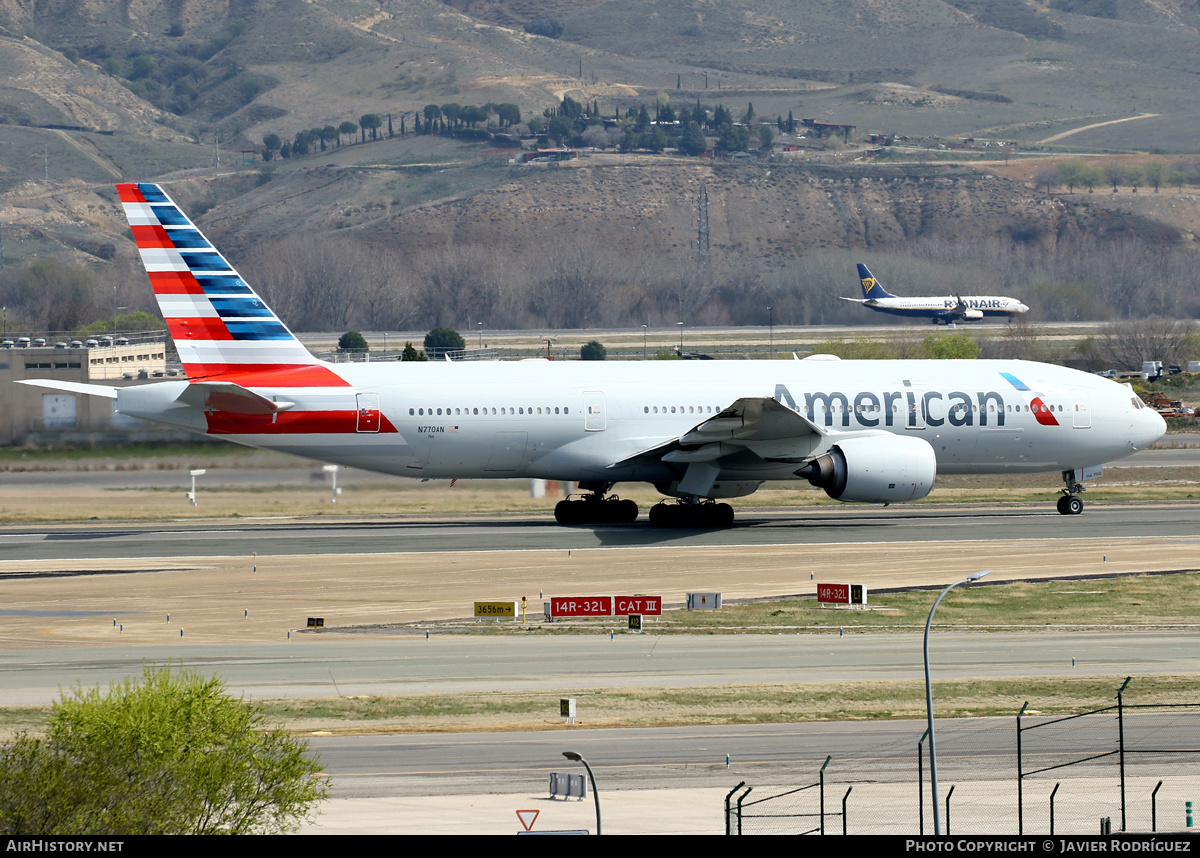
(700, 432)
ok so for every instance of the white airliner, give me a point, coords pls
(944, 308)
(868, 431)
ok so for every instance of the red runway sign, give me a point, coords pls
(581, 606)
(650, 606)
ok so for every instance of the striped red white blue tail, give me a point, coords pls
(221, 328)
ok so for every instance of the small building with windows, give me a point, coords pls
(37, 415)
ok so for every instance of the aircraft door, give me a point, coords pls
(914, 408)
(368, 412)
(1081, 416)
(594, 417)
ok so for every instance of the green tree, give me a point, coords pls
(510, 114)
(142, 67)
(370, 122)
(352, 341)
(593, 350)
(442, 340)
(951, 346)
(452, 112)
(347, 128)
(172, 754)
(410, 353)
(692, 142)
(473, 115)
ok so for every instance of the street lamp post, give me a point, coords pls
(571, 755)
(771, 322)
(643, 342)
(970, 579)
(480, 324)
(680, 338)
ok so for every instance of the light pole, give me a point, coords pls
(771, 322)
(480, 325)
(970, 579)
(643, 342)
(680, 338)
(571, 755)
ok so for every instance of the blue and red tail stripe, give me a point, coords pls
(213, 315)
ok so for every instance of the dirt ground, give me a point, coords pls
(265, 598)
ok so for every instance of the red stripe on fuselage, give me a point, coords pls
(267, 374)
(147, 236)
(291, 423)
(128, 192)
(199, 329)
(175, 283)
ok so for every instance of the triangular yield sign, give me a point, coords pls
(528, 817)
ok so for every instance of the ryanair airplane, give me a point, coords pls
(946, 309)
(700, 432)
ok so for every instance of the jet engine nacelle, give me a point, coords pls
(875, 469)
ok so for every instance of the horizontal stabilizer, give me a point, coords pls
(230, 398)
(72, 387)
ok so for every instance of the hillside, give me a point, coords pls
(184, 91)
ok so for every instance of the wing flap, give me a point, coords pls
(754, 423)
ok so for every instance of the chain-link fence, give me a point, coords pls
(1137, 766)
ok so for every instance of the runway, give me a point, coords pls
(537, 531)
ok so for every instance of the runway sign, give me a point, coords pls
(841, 594)
(496, 609)
(581, 606)
(650, 606)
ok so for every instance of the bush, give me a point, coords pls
(352, 341)
(442, 340)
(551, 28)
(593, 350)
(172, 754)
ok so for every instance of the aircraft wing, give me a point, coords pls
(764, 426)
(856, 300)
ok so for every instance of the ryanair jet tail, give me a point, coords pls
(699, 432)
(947, 308)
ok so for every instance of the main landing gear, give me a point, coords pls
(1070, 503)
(708, 514)
(594, 508)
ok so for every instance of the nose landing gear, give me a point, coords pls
(1070, 503)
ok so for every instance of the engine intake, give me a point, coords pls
(875, 469)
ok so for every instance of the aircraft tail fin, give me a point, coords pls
(221, 328)
(870, 286)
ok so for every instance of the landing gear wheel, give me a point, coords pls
(1070, 505)
(593, 510)
(704, 515)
